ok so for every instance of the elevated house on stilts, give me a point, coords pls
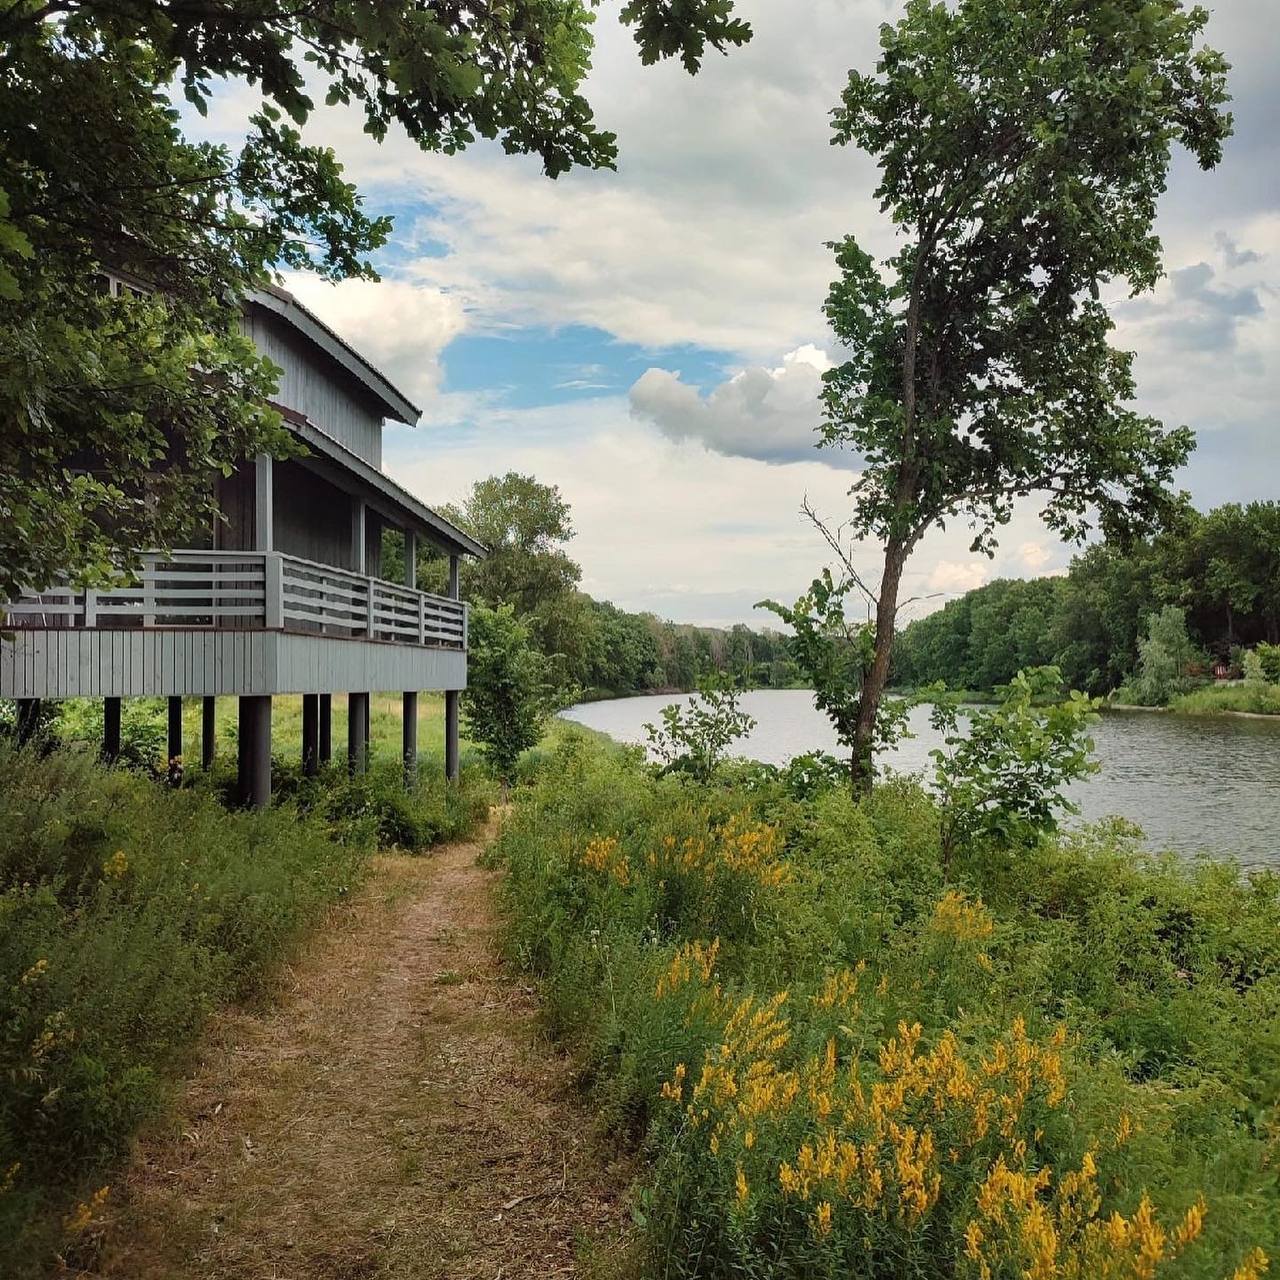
(283, 594)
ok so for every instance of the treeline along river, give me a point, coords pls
(1194, 784)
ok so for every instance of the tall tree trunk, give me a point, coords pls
(873, 685)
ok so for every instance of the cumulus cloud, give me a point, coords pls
(770, 414)
(1034, 555)
(401, 327)
(958, 576)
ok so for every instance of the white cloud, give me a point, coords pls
(958, 576)
(399, 326)
(769, 414)
(1034, 555)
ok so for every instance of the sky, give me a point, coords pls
(651, 339)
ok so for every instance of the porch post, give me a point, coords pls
(451, 695)
(263, 503)
(111, 729)
(451, 734)
(326, 728)
(175, 732)
(410, 736)
(310, 734)
(255, 751)
(410, 559)
(357, 535)
(208, 732)
(357, 731)
(28, 718)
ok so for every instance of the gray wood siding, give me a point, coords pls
(312, 516)
(316, 385)
(159, 663)
(236, 502)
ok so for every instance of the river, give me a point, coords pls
(1193, 784)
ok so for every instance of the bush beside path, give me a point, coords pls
(396, 1114)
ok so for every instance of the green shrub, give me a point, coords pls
(128, 911)
(844, 1061)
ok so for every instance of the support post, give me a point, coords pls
(263, 503)
(411, 559)
(111, 729)
(208, 732)
(453, 576)
(357, 731)
(410, 737)
(28, 719)
(326, 727)
(357, 536)
(175, 733)
(310, 734)
(451, 735)
(255, 751)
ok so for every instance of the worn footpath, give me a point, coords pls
(395, 1113)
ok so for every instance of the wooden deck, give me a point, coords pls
(233, 622)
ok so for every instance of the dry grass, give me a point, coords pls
(393, 1115)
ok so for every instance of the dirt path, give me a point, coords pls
(394, 1115)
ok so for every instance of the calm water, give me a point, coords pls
(1192, 784)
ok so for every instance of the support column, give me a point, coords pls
(410, 559)
(255, 751)
(28, 719)
(208, 732)
(310, 734)
(410, 737)
(111, 729)
(451, 695)
(263, 503)
(326, 727)
(451, 734)
(175, 728)
(357, 731)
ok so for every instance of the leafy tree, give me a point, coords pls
(525, 525)
(694, 738)
(1022, 145)
(1001, 781)
(1165, 657)
(1254, 673)
(110, 440)
(510, 689)
(835, 653)
(1269, 657)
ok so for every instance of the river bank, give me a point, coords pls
(1192, 783)
(838, 1049)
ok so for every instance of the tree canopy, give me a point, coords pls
(117, 411)
(1022, 146)
(1089, 623)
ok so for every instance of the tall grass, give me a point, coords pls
(128, 911)
(1255, 699)
(1063, 1062)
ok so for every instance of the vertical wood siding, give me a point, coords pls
(314, 384)
(312, 516)
(165, 663)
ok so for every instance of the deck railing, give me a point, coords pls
(251, 590)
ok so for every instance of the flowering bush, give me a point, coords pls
(843, 1063)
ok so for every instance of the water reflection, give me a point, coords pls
(1193, 784)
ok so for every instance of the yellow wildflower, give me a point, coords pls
(743, 1190)
(116, 865)
(83, 1214)
(822, 1218)
(1255, 1264)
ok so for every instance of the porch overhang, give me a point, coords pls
(344, 469)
